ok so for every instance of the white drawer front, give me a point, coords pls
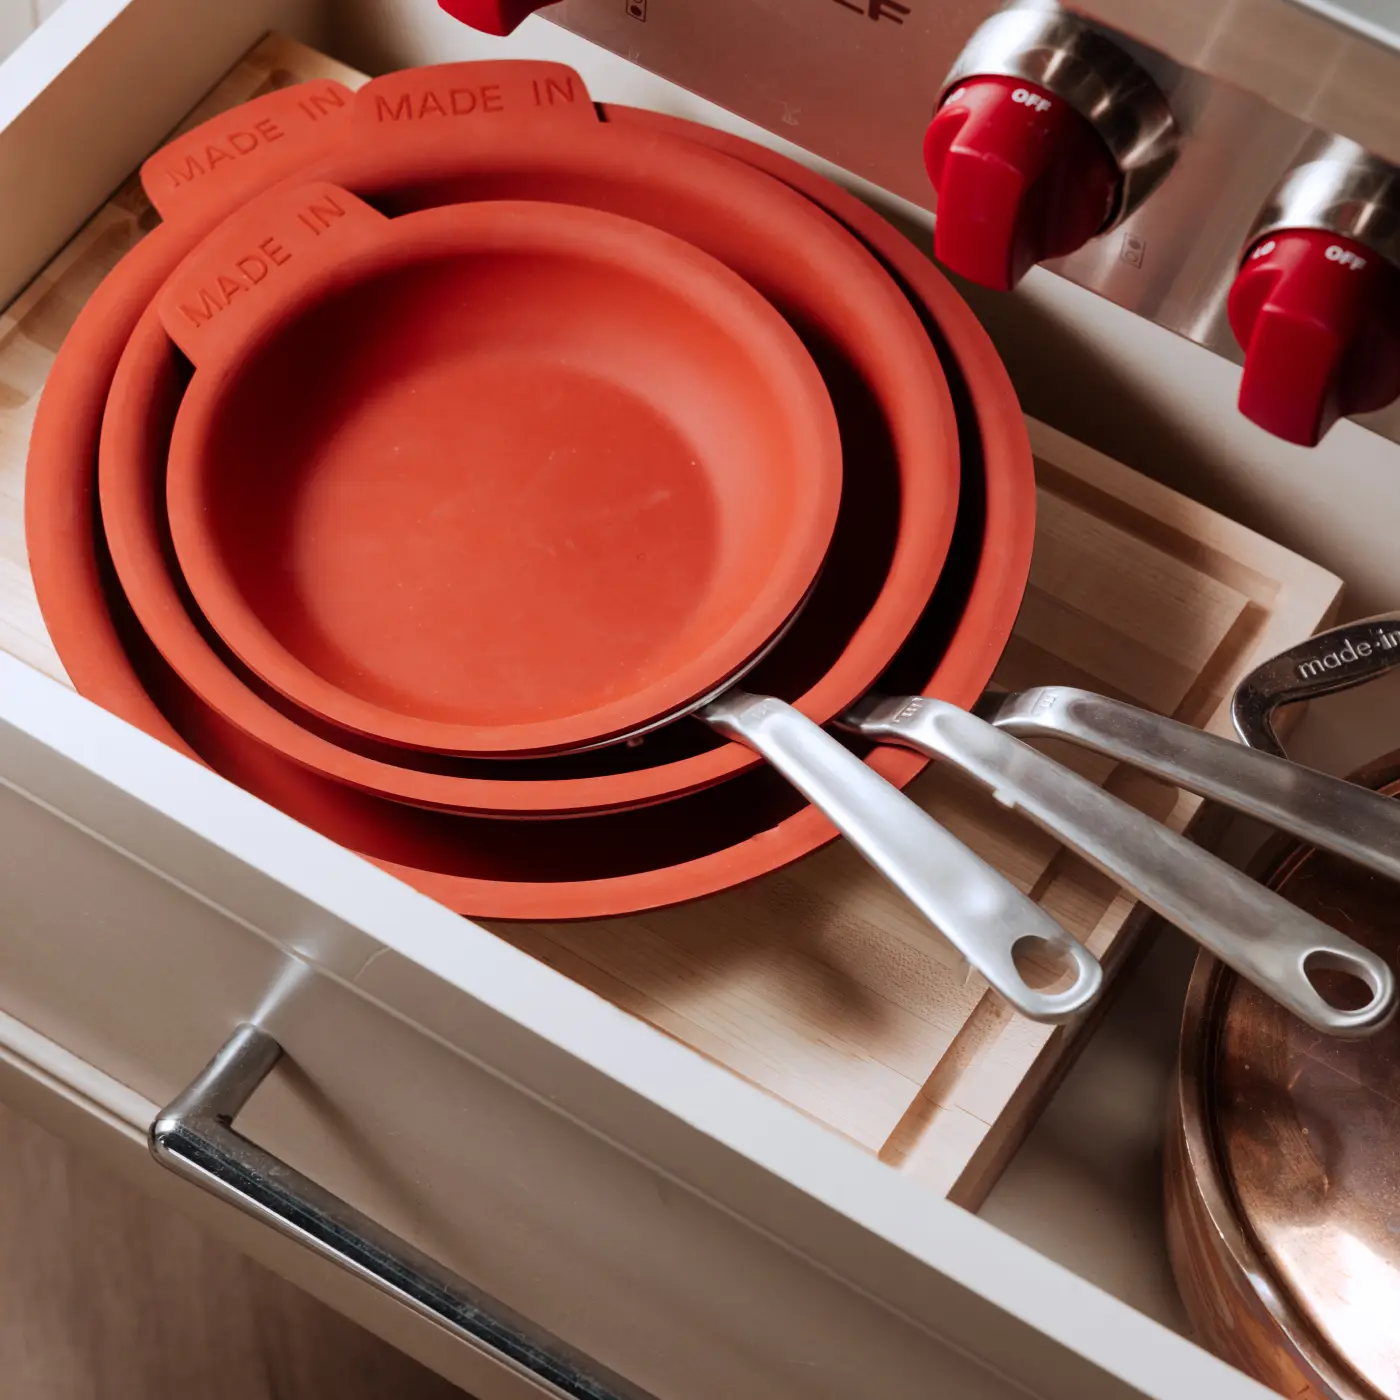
(607, 1184)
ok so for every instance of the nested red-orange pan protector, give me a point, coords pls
(478, 866)
(892, 400)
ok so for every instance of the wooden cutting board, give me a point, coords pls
(819, 983)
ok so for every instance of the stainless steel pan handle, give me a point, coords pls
(1258, 933)
(195, 1139)
(975, 907)
(1324, 664)
(1324, 811)
(968, 900)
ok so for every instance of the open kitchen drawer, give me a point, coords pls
(775, 1228)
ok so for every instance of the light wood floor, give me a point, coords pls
(90, 1311)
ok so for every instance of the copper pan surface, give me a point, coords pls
(1283, 1159)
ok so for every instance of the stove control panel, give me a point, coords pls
(1047, 134)
(1168, 129)
(1318, 318)
(1315, 305)
(1021, 177)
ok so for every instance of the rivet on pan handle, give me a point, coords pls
(971, 903)
(1258, 933)
(194, 1137)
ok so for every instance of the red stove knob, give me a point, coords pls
(492, 16)
(1020, 175)
(1318, 318)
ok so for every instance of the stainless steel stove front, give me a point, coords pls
(856, 81)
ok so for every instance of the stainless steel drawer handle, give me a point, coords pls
(194, 1137)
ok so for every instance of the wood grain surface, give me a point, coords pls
(820, 984)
